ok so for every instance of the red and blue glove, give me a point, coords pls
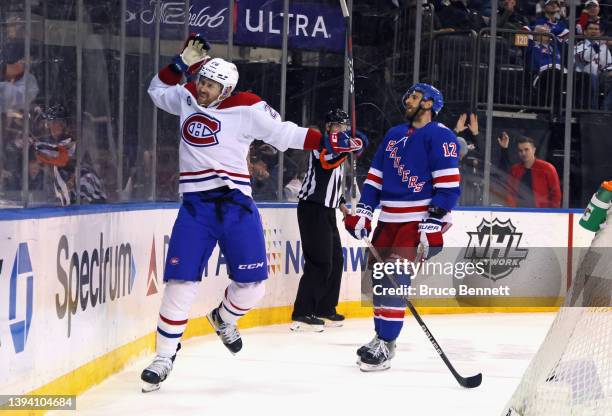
(342, 142)
(430, 233)
(193, 56)
(360, 224)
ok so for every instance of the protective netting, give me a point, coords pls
(571, 373)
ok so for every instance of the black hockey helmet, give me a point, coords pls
(55, 112)
(337, 115)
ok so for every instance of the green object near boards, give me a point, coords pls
(597, 210)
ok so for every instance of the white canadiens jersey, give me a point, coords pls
(215, 141)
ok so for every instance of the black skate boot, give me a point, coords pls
(307, 323)
(227, 332)
(377, 356)
(157, 372)
(361, 350)
(333, 320)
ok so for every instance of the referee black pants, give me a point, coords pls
(319, 287)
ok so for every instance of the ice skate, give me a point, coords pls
(227, 332)
(307, 323)
(361, 350)
(377, 355)
(332, 321)
(157, 372)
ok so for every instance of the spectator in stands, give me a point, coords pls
(509, 16)
(481, 6)
(263, 180)
(58, 151)
(557, 25)
(456, 15)
(13, 94)
(470, 131)
(543, 51)
(293, 187)
(296, 165)
(543, 59)
(15, 100)
(532, 182)
(471, 177)
(590, 13)
(594, 58)
(35, 173)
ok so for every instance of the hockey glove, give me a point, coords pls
(360, 143)
(360, 224)
(337, 143)
(430, 233)
(193, 55)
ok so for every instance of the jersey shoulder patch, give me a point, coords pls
(240, 99)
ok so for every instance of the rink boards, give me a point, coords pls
(80, 289)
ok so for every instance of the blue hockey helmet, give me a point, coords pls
(429, 93)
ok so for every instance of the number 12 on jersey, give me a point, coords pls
(450, 149)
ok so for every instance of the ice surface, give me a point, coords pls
(279, 372)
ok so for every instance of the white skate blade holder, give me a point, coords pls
(331, 324)
(302, 327)
(148, 387)
(370, 368)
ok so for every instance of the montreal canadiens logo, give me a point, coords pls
(201, 130)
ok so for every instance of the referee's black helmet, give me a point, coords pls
(337, 115)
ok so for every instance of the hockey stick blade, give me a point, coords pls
(467, 382)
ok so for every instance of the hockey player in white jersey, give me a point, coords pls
(216, 129)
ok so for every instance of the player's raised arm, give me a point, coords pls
(266, 125)
(164, 88)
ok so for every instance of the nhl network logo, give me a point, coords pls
(496, 245)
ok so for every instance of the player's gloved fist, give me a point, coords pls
(359, 144)
(193, 55)
(430, 233)
(342, 142)
(360, 224)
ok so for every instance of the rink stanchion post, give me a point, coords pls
(467, 382)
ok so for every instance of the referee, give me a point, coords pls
(320, 196)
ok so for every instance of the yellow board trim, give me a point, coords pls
(94, 372)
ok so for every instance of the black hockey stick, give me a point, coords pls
(348, 26)
(467, 382)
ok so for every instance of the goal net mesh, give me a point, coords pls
(571, 373)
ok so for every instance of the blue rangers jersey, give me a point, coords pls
(413, 169)
(559, 28)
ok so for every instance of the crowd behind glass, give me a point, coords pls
(77, 127)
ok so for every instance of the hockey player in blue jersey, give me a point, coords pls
(414, 177)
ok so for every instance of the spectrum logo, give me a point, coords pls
(21, 297)
(92, 276)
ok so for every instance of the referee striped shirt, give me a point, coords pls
(323, 186)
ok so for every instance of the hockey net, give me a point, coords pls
(571, 373)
